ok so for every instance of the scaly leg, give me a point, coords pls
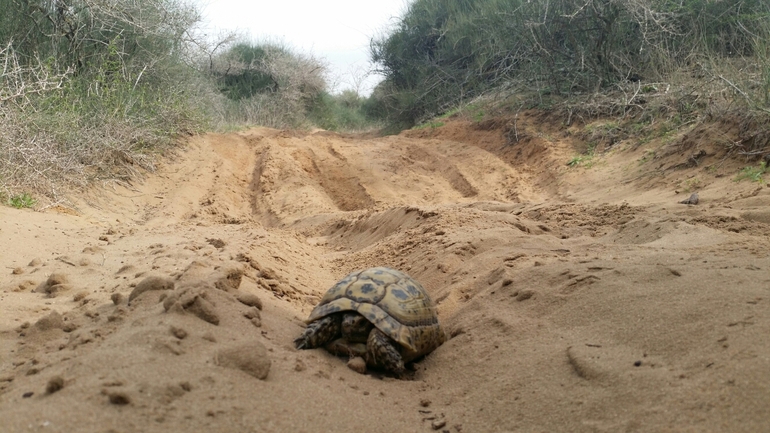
(319, 332)
(382, 352)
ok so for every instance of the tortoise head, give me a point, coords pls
(355, 327)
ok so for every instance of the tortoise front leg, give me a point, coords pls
(319, 332)
(382, 352)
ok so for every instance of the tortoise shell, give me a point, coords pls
(393, 302)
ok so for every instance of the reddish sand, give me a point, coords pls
(582, 299)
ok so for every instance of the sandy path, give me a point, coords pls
(577, 299)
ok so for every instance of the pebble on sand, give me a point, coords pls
(117, 298)
(55, 384)
(357, 364)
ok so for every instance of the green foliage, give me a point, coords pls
(577, 160)
(442, 52)
(343, 112)
(247, 74)
(267, 84)
(23, 200)
(322, 111)
(753, 174)
(90, 90)
(585, 159)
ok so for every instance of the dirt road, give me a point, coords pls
(577, 299)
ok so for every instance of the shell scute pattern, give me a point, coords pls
(393, 302)
(400, 294)
(363, 290)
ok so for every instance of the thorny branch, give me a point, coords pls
(18, 81)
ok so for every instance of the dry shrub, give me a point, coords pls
(37, 159)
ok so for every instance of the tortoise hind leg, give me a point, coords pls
(382, 352)
(319, 332)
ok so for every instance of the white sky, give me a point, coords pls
(337, 31)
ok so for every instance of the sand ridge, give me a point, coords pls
(575, 299)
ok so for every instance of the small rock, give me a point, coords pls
(248, 357)
(524, 295)
(425, 402)
(178, 332)
(299, 365)
(357, 364)
(56, 383)
(437, 424)
(35, 263)
(118, 397)
(692, 200)
(117, 298)
(17, 271)
(216, 243)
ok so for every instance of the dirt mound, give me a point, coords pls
(576, 298)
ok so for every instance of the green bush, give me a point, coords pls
(445, 51)
(23, 200)
(246, 74)
(754, 174)
(343, 112)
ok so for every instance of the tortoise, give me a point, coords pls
(380, 314)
